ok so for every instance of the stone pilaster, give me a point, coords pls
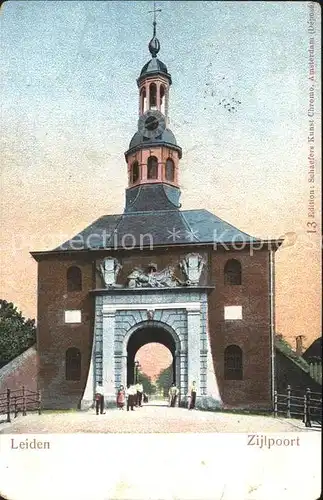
(121, 369)
(87, 399)
(193, 345)
(108, 368)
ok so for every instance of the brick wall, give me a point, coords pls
(20, 371)
(251, 334)
(55, 337)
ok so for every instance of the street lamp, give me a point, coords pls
(137, 364)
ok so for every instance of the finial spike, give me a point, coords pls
(154, 45)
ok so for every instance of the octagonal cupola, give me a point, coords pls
(153, 155)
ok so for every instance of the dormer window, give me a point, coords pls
(152, 167)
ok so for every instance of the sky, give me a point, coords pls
(70, 107)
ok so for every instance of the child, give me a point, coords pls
(121, 398)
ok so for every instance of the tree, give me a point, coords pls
(165, 379)
(16, 332)
(148, 387)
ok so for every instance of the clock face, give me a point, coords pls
(152, 124)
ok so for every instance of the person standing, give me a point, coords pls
(127, 396)
(140, 390)
(99, 399)
(136, 398)
(131, 392)
(121, 397)
(192, 396)
(173, 394)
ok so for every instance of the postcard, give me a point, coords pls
(160, 330)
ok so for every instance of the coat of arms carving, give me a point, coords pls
(192, 266)
(109, 269)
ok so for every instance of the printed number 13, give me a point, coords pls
(313, 226)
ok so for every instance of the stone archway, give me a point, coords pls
(159, 332)
(181, 313)
(146, 335)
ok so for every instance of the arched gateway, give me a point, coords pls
(126, 319)
(152, 331)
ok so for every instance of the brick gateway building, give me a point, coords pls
(156, 273)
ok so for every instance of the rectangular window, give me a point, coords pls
(73, 316)
(232, 312)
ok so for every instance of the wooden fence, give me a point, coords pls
(19, 400)
(295, 404)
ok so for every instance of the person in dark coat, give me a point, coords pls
(173, 394)
(99, 399)
(192, 396)
(131, 393)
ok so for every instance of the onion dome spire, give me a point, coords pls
(154, 44)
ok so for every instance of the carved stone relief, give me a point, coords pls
(153, 278)
(192, 266)
(109, 269)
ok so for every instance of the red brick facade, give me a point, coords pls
(54, 337)
(251, 334)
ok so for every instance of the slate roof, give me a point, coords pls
(314, 350)
(283, 346)
(154, 67)
(152, 218)
(152, 197)
(165, 226)
(167, 137)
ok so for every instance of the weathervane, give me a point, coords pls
(154, 11)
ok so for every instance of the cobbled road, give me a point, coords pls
(154, 417)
